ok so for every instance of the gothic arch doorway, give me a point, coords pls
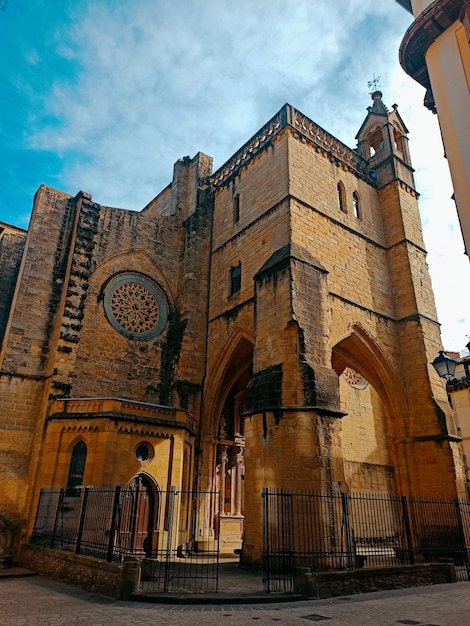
(138, 508)
(229, 446)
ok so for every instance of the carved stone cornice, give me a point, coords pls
(338, 152)
(427, 27)
(122, 410)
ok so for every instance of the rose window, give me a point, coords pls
(135, 307)
(354, 379)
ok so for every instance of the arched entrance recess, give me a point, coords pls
(359, 352)
(226, 437)
(138, 515)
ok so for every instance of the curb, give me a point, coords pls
(214, 598)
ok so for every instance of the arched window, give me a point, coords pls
(356, 205)
(341, 196)
(77, 468)
(375, 141)
(397, 141)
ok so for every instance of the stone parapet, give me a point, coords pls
(70, 407)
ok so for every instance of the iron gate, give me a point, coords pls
(185, 556)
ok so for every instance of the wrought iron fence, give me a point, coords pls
(171, 532)
(174, 533)
(330, 531)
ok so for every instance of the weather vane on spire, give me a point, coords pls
(375, 82)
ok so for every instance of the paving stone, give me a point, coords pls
(38, 602)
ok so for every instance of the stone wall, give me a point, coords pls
(12, 242)
(25, 353)
(324, 286)
(60, 342)
(319, 585)
(109, 579)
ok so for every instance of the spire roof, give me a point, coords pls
(378, 107)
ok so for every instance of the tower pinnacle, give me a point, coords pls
(382, 140)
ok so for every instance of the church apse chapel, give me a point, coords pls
(266, 325)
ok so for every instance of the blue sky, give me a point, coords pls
(105, 95)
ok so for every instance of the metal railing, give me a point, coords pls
(345, 531)
(174, 534)
(171, 532)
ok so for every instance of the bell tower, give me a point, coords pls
(383, 141)
(429, 435)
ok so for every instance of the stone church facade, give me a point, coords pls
(266, 325)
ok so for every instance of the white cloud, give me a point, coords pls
(198, 76)
(158, 80)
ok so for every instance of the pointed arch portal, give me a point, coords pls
(383, 403)
(227, 434)
(361, 352)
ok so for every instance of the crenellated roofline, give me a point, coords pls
(288, 116)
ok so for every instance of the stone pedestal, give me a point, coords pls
(230, 531)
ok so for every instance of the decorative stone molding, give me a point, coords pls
(122, 409)
(288, 116)
(427, 27)
(354, 379)
(465, 18)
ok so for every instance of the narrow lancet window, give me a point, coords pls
(236, 208)
(356, 206)
(77, 468)
(341, 203)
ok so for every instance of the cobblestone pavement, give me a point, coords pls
(38, 602)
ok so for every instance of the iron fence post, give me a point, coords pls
(59, 508)
(217, 547)
(82, 521)
(406, 522)
(171, 504)
(112, 528)
(136, 495)
(292, 541)
(36, 517)
(347, 529)
(264, 496)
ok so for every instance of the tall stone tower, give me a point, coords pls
(333, 318)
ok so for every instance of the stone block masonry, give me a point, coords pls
(268, 325)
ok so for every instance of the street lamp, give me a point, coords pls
(444, 365)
